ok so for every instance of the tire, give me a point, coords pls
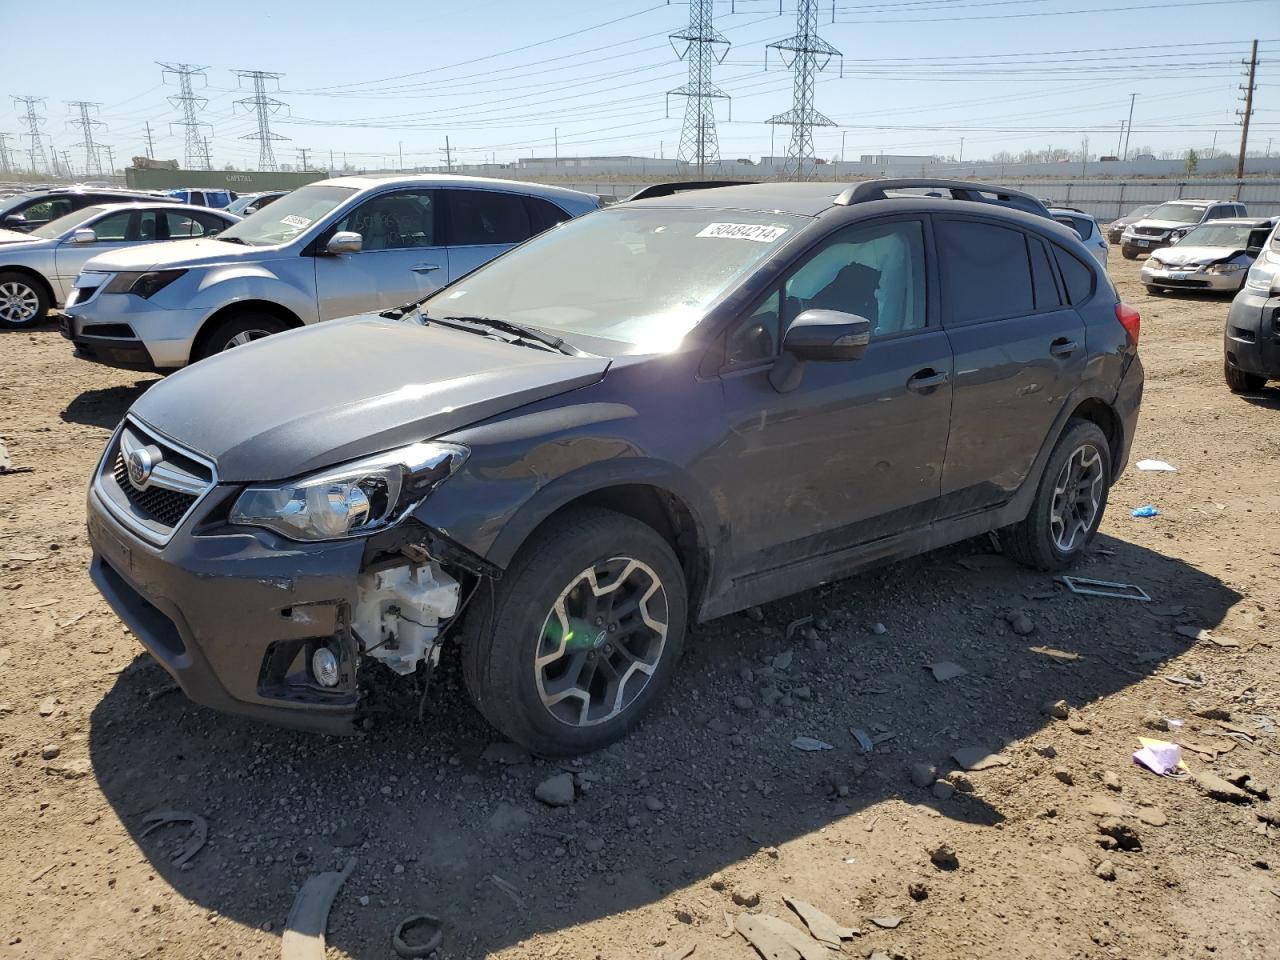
(238, 330)
(518, 623)
(23, 301)
(1153, 291)
(1240, 382)
(1036, 541)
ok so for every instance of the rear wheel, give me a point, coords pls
(237, 331)
(1154, 291)
(23, 301)
(1069, 501)
(581, 636)
(1129, 253)
(1240, 382)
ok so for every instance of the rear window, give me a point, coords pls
(986, 274)
(1077, 276)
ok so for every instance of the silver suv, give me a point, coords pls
(1170, 222)
(329, 249)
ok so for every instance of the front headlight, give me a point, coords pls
(145, 285)
(1154, 264)
(1176, 235)
(1226, 268)
(351, 500)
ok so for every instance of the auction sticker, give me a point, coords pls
(760, 233)
(296, 221)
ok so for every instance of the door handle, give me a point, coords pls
(1062, 347)
(927, 379)
(424, 267)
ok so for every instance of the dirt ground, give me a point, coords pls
(707, 811)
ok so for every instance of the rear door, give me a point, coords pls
(401, 259)
(484, 223)
(1019, 351)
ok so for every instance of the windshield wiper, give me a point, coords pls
(515, 329)
(230, 240)
(468, 325)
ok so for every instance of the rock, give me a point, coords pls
(1124, 835)
(1057, 709)
(1046, 750)
(942, 790)
(821, 926)
(593, 844)
(364, 901)
(1156, 721)
(1153, 816)
(746, 896)
(653, 804)
(944, 857)
(945, 670)
(1219, 789)
(70, 769)
(1079, 726)
(978, 758)
(776, 939)
(743, 703)
(1073, 859)
(47, 706)
(1063, 775)
(507, 818)
(783, 660)
(802, 693)
(1111, 780)
(887, 923)
(917, 891)
(756, 614)
(50, 751)
(1020, 623)
(879, 629)
(347, 835)
(556, 790)
(923, 774)
(1106, 870)
(1245, 781)
(1101, 806)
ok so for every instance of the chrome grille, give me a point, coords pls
(166, 507)
(1150, 231)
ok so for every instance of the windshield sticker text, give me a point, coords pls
(743, 231)
(295, 221)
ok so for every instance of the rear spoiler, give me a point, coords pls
(680, 186)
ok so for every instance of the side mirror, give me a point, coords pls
(1253, 251)
(84, 235)
(344, 241)
(15, 220)
(818, 335)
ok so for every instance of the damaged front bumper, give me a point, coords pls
(237, 616)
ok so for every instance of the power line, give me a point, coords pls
(264, 106)
(33, 121)
(805, 47)
(703, 46)
(195, 155)
(87, 123)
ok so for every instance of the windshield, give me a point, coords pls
(288, 216)
(56, 228)
(643, 276)
(1178, 213)
(1219, 235)
(1139, 212)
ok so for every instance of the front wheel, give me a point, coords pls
(582, 633)
(1129, 253)
(23, 301)
(1240, 382)
(1069, 501)
(237, 331)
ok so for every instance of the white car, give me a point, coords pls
(1086, 228)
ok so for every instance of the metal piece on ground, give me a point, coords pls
(303, 937)
(1105, 588)
(199, 832)
(405, 949)
(796, 624)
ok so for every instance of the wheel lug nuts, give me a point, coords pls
(599, 620)
(613, 628)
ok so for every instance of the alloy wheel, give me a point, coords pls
(1077, 496)
(19, 302)
(246, 336)
(601, 642)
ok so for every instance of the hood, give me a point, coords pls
(1165, 224)
(1193, 256)
(17, 236)
(176, 253)
(307, 399)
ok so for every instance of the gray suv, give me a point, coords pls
(1170, 222)
(644, 419)
(329, 249)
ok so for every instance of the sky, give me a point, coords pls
(386, 79)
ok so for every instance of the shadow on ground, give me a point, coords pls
(105, 407)
(699, 787)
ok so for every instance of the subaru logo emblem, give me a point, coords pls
(140, 465)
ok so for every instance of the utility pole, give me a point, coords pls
(5, 165)
(151, 152)
(86, 123)
(810, 54)
(264, 106)
(195, 155)
(208, 158)
(331, 160)
(33, 121)
(842, 136)
(1213, 148)
(111, 160)
(1128, 126)
(1120, 138)
(66, 165)
(556, 131)
(1248, 109)
(448, 155)
(960, 159)
(704, 46)
(305, 150)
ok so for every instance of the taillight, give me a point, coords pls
(1130, 319)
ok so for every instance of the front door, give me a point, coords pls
(401, 259)
(125, 228)
(1019, 349)
(855, 452)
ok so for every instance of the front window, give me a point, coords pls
(1178, 213)
(288, 216)
(56, 228)
(1218, 235)
(641, 276)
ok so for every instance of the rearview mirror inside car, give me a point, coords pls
(84, 235)
(345, 241)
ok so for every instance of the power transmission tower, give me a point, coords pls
(703, 47)
(86, 123)
(5, 165)
(1247, 112)
(810, 54)
(151, 151)
(264, 106)
(33, 120)
(194, 155)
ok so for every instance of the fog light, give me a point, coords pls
(325, 667)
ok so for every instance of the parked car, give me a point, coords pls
(1115, 229)
(1214, 256)
(326, 250)
(38, 269)
(1170, 222)
(1086, 228)
(248, 203)
(648, 417)
(1252, 336)
(24, 212)
(203, 196)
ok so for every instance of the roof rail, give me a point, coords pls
(680, 186)
(958, 189)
